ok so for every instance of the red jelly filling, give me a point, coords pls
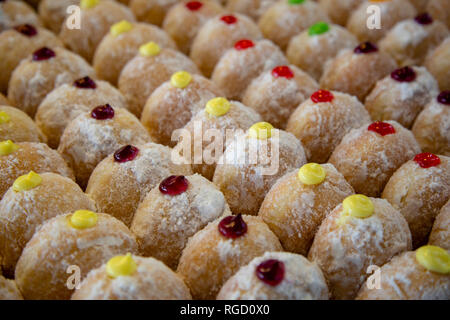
(444, 97)
(283, 72)
(382, 128)
(366, 47)
(244, 44)
(194, 5)
(43, 54)
(126, 153)
(174, 185)
(233, 226)
(405, 74)
(322, 96)
(271, 272)
(27, 30)
(229, 19)
(85, 83)
(427, 160)
(424, 18)
(103, 112)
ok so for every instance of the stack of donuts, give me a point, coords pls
(235, 149)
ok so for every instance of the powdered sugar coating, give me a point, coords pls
(210, 259)
(9, 290)
(440, 234)
(113, 53)
(339, 11)
(367, 160)
(95, 24)
(238, 119)
(20, 127)
(237, 68)
(403, 278)
(251, 8)
(118, 188)
(303, 280)
(15, 47)
(439, 9)
(14, 13)
(391, 12)
(30, 156)
(356, 74)
(418, 194)
(275, 98)
(142, 75)
(409, 42)
(151, 11)
(21, 213)
(438, 64)
(170, 108)
(245, 181)
(311, 52)
(152, 280)
(321, 126)
(165, 221)
(344, 252)
(65, 103)
(215, 37)
(294, 211)
(87, 141)
(401, 101)
(53, 13)
(281, 21)
(31, 81)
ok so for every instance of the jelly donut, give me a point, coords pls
(128, 277)
(68, 101)
(9, 290)
(97, 16)
(401, 95)
(311, 49)
(419, 275)
(245, 177)
(92, 136)
(184, 20)
(438, 63)
(3, 100)
(40, 73)
(298, 202)
(29, 202)
(75, 242)
(391, 12)
(17, 44)
(418, 190)
(252, 8)
(173, 212)
(148, 70)
(240, 65)
(151, 11)
(409, 41)
(220, 120)
(121, 180)
(277, 92)
(17, 126)
(276, 276)
(440, 9)
(321, 122)
(287, 18)
(174, 103)
(53, 13)
(16, 13)
(440, 233)
(218, 35)
(339, 11)
(369, 155)
(432, 125)
(356, 71)
(218, 251)
(122, 44)
(359, 233)
(20, 158)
